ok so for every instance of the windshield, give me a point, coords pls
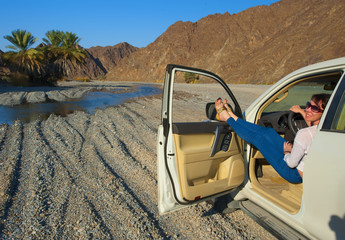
(301, 92)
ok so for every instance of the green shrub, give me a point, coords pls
(191, 77)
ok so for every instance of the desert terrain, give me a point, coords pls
(93, 176)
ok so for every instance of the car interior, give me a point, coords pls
(203, 173)
(275, 113)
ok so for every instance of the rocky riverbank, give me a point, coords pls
(10, 96)
(93, 176)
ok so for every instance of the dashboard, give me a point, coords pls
(279, 121)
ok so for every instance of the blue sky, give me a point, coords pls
(109, 22)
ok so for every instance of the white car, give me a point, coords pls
(202, 160)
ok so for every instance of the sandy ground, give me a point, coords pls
(93, 176)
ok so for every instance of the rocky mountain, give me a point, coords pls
(108, 57)
(100, 60)
(258, 45)
(90, 69)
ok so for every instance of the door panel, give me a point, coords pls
(201, 175)
(197, 159)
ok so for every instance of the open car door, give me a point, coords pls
(197, 159)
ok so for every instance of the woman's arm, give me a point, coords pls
(301, 144)
(297, 152)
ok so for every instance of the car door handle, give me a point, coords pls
(226, 139)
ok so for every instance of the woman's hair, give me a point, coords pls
(323, 97)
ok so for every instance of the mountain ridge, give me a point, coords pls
(258, 45)
(100, 60)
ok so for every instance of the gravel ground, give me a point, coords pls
(93, 176)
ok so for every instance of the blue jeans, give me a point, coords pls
(269, 143)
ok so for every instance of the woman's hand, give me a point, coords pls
(287, 147)
(298, 109)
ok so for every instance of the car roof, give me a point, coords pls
(333, 63)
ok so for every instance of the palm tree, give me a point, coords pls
(48, 63)
(54, 38)
(70, 40)
(70, 52)
(23, 59)
(61, 49)
(21, 40)
(52, 51)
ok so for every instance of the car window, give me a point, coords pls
(338, 122)
(302, 90)
(335, 119)
(192, 91)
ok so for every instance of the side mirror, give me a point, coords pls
(211, 111)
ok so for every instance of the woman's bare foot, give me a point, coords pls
(229, 110)
(222, 113)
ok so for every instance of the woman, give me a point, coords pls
(286, 159)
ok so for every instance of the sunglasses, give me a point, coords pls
(313, 108)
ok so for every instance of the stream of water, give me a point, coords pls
(89, 102)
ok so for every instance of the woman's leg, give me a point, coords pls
(256, 134)
(269, 143)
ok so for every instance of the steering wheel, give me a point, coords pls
(296, 122)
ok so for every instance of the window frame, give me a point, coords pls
(336, 101)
